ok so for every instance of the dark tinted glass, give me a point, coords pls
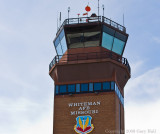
(108, 30)
(121, 36)
(75, 40)
(71, 88)
(84, 87)
(91, 39)
(62, 89)
(97, 86)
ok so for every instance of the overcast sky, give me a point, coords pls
(27, 30)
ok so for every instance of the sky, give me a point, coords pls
(27, 30)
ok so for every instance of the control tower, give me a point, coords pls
(89, 74)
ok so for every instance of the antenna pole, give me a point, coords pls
(68, 14)
(98, 7)
(60, 18)
(103, 9)
(57, 23)
(123, 19)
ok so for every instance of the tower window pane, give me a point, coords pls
(56, 89)
(75, 40)
(77, 87)
(121, 36)
(118, 46)
(56, 42)
(90, 86)
(108, 30)
(106, 86)
(71, 88)
(64, 45)
(62, 89)
(91, 39)
(107, 41)
(59, 49)
(112, 85)
(61, 35)
(84, 87)
(97, 86)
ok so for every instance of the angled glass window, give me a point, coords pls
(56, 90)
(91, 87)
(122, 101)
(78, 88)
(64, 45)
(60, 44)
(62, 89)
(71, 88)
(56, 42)
(108, 30)
(91, 39)
(84, 87)
(121, 36)
(121, 98)
(118, 46)
(61, 35)
(97, 86)
(75, 40)
(106, 86)
(107, 41)
(59, 49)
(116, 89)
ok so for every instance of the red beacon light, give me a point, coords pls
(88, 9)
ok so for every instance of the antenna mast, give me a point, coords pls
(123, 19)
(103, 9)
(60, 19)
(68, 14)
(57, 23)
(98, 7)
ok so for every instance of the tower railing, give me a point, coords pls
(83, 20)
(67, 58)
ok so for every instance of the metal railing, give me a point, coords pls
(88, 56)
(83, 20)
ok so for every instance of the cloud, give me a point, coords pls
(137, 67)
(144, 88)
(25, 116)
(42, 126)
(143, 117)
(142, 102)
(156, 40)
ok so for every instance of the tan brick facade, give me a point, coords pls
(105, 120)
